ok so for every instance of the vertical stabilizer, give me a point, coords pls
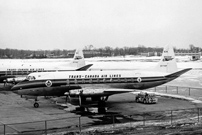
(167, 63)
(78, 60)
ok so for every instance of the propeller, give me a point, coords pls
(79, 100)
(70, 100)
(68, 95)
(80, 93)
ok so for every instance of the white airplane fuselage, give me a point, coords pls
(57, 83)
(16, 69)
(10, 70)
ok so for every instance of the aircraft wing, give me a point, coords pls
(116, 91)
(96, 92)
(84, 68)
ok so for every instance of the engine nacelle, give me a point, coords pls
(15, 80)
(29, 97)
(86, 92)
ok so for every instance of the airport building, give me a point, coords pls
(194, 55)
(88, 53)
(149, 54)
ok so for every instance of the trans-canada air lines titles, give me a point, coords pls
(95, 76)
(25, 69)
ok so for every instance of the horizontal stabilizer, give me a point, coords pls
(177, 74)
(84, 68)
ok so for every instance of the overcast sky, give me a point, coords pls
(70, 24)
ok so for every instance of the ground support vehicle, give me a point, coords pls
(146, 98)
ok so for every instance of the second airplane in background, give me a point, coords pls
(15, 72)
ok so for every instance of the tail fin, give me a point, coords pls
(78, 60)
(167, 63)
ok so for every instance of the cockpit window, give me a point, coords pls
(30, 78)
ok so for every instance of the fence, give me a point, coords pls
(182, 90)
(79, 124)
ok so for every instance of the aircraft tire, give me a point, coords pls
(81, 109)
(36, 105)
(101, 104)
(83, 99)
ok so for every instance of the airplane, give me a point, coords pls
(99, 85)
(15, 72)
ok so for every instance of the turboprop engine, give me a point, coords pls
(15, 80)
(86, 92)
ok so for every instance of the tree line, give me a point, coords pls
(89, 51)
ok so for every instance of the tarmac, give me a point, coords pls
(14, 109)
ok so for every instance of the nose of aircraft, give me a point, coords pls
(15, 87)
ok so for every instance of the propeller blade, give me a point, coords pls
(79, 100)
(69, 98)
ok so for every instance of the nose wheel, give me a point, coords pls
(36, 105)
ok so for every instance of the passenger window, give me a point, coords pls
(111, 79)
(95, 80)
(71, 81)
(75, 81)
(67, 81)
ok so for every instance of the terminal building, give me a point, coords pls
(193, 55)
(149, 54)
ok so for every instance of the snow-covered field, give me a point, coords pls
(191, 78)
(128, 62)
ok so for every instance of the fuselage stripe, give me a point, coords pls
(58, 82)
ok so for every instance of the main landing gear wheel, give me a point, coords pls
(36, 105)
(81, 109)
(101, 110)
(101, 107)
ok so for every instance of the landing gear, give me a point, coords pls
(101, 110)
(81, 109)
(101, 107)
(36, 104)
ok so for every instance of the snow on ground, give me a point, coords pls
(106, 63)
(128, 62)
